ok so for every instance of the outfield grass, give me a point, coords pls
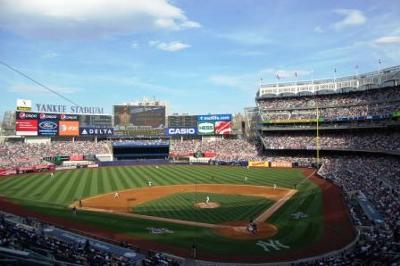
(181, 206)
(50, 196)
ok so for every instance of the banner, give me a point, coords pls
(396, 114)
(26, 127)
(281, 164)
(223, 127)
(69, 128)
(217, 117)
(88, 131)
(205, 128)
(180, 131)
(48, 124)
(258, 164)
(76, 157)
(209, 154)
(7, 171)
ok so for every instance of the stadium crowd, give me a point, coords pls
(376, 178)
(224, 149)
(332, 113)
(332, 100)
(388, 141)
(28, 236)
(14, 155)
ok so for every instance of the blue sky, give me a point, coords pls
(200, 56)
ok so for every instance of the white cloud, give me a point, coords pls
(351, 17)
(246, 38)
(246, 82)
(134, 45)
(50, 55)
(169, 46)
(387, 40)
(76, 18)
(319, 29)
(33, 88)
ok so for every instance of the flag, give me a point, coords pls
(356, 66)
(295, 74)
(334, 70)
(277, 76)
(379, 61)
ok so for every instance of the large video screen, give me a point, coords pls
(130, 117)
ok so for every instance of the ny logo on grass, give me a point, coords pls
(271, 244)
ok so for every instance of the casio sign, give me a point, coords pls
(48, 125)
(181, 131)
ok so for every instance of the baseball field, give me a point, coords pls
(172, 207)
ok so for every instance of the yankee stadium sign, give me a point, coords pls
(56, 108)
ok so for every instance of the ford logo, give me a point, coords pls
(48, 125)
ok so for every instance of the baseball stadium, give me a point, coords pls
(306, 174)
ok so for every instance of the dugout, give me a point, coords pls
(135, 150)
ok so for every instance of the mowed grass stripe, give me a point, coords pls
(133, 178)
(108, 179)
(122, 179)
(60, 180)
(70, 187)
(34, 184)
(128, 177)
(19, 184)
(112, 175)
(94, 185)
(100, 181)
(84, 182)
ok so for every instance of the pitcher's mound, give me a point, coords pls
(209, 205)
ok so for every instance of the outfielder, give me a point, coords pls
(207, 200)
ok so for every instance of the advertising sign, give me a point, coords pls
(283, 164)
(24, 105)
(67, 117)
(90, 131)
(223, 127)
(217, 117)
(69, 128)
(258, 164)
(27, 116)
(48, 124)
(26, 127)
(205, 128)
(180, 131)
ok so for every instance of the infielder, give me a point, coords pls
(207, 200)
(150, 183)
(274, 186)
(245, 179)
(116, 195)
